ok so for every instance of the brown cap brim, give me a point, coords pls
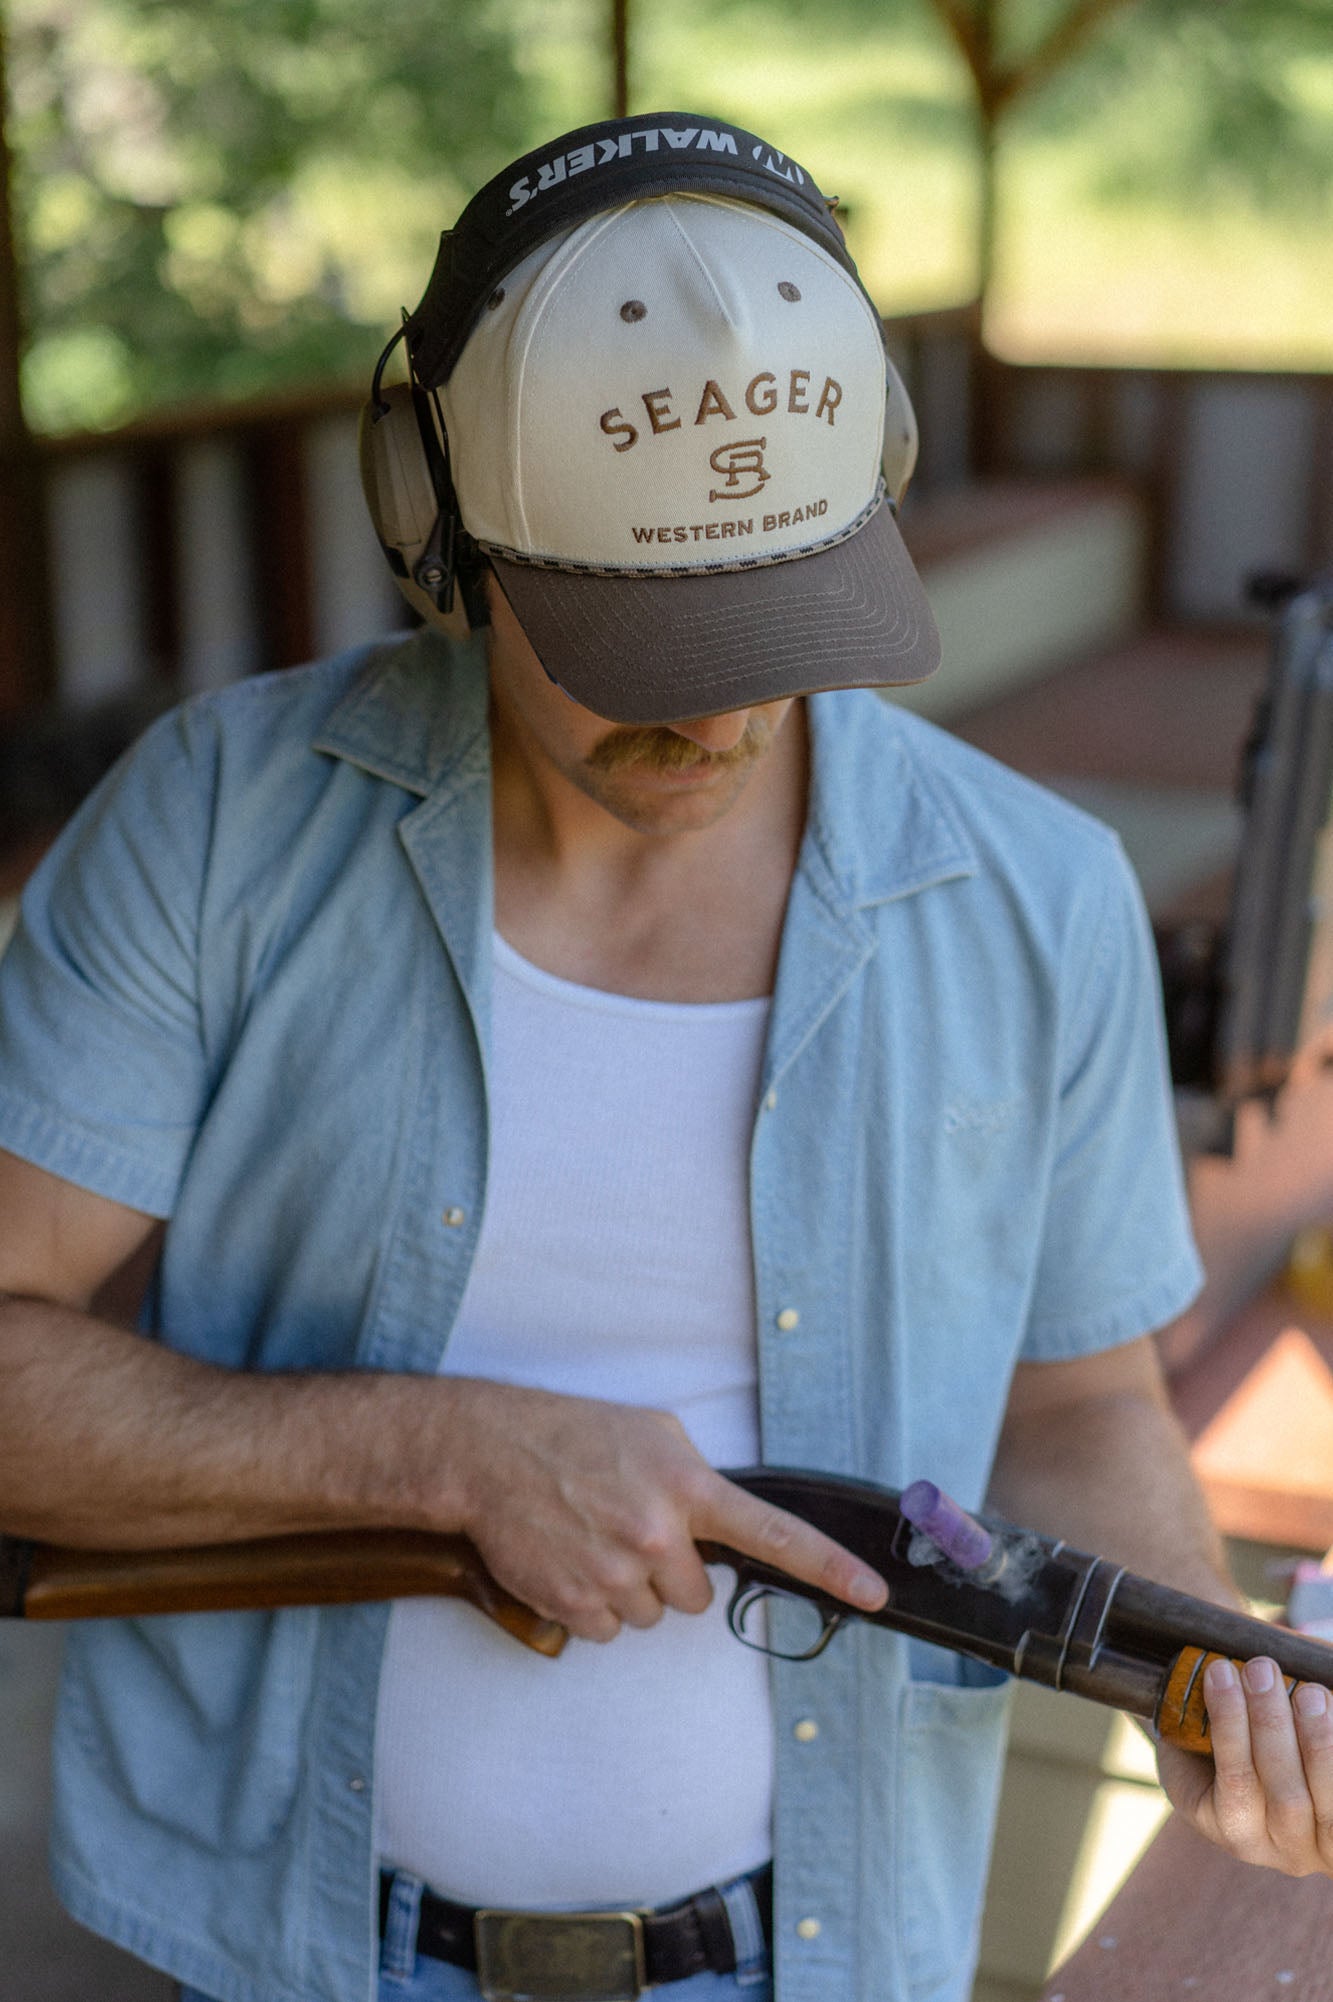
(661, 649)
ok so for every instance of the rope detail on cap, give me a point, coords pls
(571, 566)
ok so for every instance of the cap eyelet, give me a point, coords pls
(632, 310)
(789, 291)
(496, 299)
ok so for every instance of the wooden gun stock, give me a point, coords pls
(40, 1581)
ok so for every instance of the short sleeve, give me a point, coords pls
(102, 1072)
(1117, 1258)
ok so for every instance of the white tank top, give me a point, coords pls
(614, 1262)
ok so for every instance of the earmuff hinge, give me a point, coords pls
(434, 568)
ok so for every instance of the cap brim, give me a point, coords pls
(659, 649)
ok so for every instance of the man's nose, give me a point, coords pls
(715, 733)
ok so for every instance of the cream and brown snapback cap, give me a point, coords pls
(665, 431)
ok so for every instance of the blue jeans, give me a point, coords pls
(436, 1981)
(406, 1976)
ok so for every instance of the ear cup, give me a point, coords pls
(400, 493)
(900, 434)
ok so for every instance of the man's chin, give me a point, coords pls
(672, 802)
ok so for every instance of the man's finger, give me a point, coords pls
(1236, 1788)
(1288, 1806)
(1273, 1743)
(1312, 1708)
(683, 1583)
(1260, 1801)
(760, 1530)
(642, 1608)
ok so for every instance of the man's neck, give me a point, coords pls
(690, 915)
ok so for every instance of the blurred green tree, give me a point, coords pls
(216, 200)
(1236, 124)
(219, 200)
(1215, 87)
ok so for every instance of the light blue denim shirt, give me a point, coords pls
(250, 993)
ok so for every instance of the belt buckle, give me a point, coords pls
(559, 1956)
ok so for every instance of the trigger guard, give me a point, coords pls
(747, 1596)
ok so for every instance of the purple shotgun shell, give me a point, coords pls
(957, 1533)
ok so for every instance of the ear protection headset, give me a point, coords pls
(404, 447)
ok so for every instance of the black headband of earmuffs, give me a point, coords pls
(581, 174)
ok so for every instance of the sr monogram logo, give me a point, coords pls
(743, 459)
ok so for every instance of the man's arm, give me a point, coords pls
(588, 1512)
(1091, 1451)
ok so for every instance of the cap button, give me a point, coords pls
(632, 310)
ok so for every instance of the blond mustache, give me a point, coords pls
(652, 747)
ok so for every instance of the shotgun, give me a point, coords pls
(1243, 997)
(976, 1584)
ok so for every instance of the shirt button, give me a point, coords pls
(770, 1102)
(356, 1783)
(808, 1928)
(788, 1319)
(806, 1731)
(454, 1216)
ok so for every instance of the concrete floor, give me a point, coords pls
(44, 1956)
(1147, 736)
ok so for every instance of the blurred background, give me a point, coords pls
(1101, 224)
(1099, 231)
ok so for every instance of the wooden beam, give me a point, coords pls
(278, 514)
(970, 32)
(620, 58)
(26, 652)
(1063, 42)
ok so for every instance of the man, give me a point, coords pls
(808, 1071)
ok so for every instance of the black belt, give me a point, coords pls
(599, 1956)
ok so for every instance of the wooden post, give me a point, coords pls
(620, 58)
(26, 653)
(988, 138)
(278, 512)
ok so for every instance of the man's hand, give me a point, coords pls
(1091, 1451)
(591, 1512)
(1266, 1795)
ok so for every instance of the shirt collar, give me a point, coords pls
(416, 714)
(880, 824)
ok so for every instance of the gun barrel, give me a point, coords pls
(1123, 1681)
(1147, 1618)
